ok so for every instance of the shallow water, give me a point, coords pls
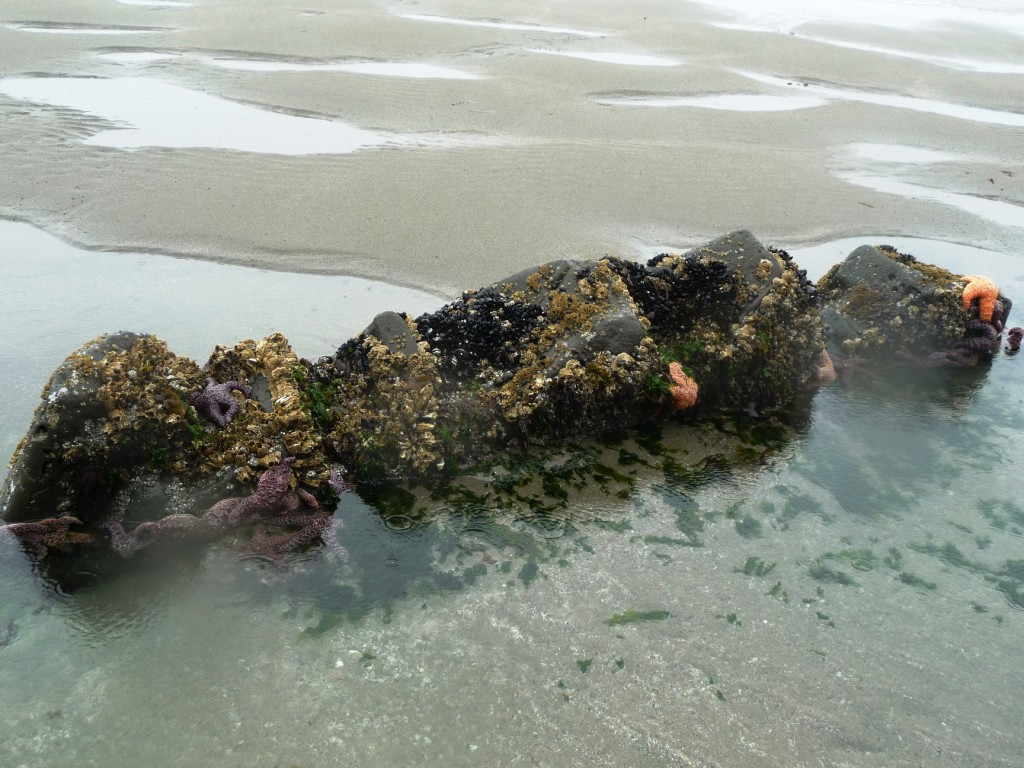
(842, 589)
(847, 587)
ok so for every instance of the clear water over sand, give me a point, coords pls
(845, 592)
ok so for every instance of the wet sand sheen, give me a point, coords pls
(522, 665)
(561, 160)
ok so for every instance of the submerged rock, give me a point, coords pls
(882, 304)
(570, 348)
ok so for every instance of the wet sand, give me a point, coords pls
(514, 133)
(492, 153)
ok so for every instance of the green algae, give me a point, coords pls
(636, 617)
(951, 555)
(777, 591)
(821, 572)
(912, 580)
(749, 527)
(858, 559)
(755, 566)
(529, 572)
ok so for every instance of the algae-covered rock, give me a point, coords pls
(114, 408)
(118, 410)
(879, 303)
(572, 348)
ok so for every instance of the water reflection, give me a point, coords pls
(869, 507)
(509, 518)
(867, 452)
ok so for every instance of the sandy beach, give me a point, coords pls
(500, 144)
(848, 596)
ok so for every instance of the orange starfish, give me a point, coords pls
(826, 371)
(985, 291)
(683, 389)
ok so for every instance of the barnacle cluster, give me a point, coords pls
(263, 432)
(882, 302)
(142, 387)
(386, 410)
(741, 321)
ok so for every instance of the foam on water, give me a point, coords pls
(509, 25)
(629, 59)
(383, 68)
(789, 15)
(992, 210)
(82, 29)
(736, 102)
(153, 113)
(932, 106)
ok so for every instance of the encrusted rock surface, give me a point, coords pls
(567, 349)
(570, 348)
(117, 410)
(881, 303)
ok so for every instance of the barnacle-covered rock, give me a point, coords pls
(277, 421)
(566, 349)
(118, 409)
(741, 320)
(114, 408)
(879, 303)
(571, 348)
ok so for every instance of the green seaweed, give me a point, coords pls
(1012, 592)
(635, 617)
(1013, 569)
(859, 559)
(755, 566)
(916, 581)
(749, 527)
(529, 572)
(689, 520)
(950, 554)
(821, 572)
(778, 591)
(894, 559)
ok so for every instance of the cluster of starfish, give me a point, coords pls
(50, 533)
(274, 503)
(216, 401)
(988, 313)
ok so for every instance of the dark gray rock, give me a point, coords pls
(878, 302)
(391, 330)
(47, 477)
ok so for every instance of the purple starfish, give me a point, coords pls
(273, 503)
(216, 402)
(1013, 338)
(51, 533)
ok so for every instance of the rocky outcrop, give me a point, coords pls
(880, 304)
(566, 349)
(570, 348)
